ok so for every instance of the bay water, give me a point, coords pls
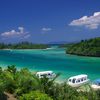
(54, 59)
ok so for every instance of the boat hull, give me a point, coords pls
(78, 84)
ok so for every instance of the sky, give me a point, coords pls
(48, 21)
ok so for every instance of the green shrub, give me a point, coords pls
(27, 86)
(35, 95)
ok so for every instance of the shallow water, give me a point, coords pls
(52, 59)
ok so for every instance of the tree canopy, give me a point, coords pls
(23, 45)
(25, 85)
(86, 48)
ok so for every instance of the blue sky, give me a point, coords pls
(44, 21)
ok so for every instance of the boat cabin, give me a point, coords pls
(48, 74)
(78, 80)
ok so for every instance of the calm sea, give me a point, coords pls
(52, 59)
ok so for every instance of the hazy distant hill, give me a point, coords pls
(62, 42)
(59, 42)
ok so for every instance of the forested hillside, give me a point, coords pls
(23, 45)
(86, 48)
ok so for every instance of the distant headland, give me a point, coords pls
(89, 47)
(23, 45)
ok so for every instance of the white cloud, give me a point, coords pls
(26, 36)
(14, 33)
(46, 29)
(91, 22)
(10, 33)
(21, 29)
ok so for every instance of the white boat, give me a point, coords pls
(78, 80)
(96, 85)
(48, 74)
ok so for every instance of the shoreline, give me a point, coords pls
(51, 48)
(82, 55)
(24, 49)
(65, 63)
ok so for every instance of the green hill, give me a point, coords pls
(23, 45)
(86, 48)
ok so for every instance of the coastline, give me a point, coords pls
(39, 60)
(82, 55)
(53, 48)
(24, 49)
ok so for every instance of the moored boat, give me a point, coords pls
(96, 84)
(47, 74)
(78, 80)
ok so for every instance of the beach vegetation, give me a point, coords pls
(25, 85)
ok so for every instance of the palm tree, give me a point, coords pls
(25, 82)
(12, 69)
(45, 84)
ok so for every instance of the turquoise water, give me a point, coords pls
(52, 59)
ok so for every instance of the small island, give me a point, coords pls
(23, 45)
(89, 47)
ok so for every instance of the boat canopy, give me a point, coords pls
(97, 81)
(44, 72)
(48, 74)
(79, 76)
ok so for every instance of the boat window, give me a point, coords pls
(69, 80)
(49, 74)
(82, 79)
(78, 80)
(73, 81)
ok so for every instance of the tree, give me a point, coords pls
(86, 48)
(35, 95)
(12, 69)
(25, 82)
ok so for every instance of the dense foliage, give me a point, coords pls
(24, 85)
(86, 48)
(23, 45)
(35, 95)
